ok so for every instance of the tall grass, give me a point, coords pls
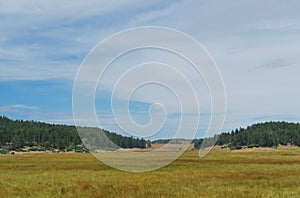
(221, 173)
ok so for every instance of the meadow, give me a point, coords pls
(221, 173)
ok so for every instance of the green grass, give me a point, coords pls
(221, 173)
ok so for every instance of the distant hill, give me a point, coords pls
(268, 134)
(17, 134)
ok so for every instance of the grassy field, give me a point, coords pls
(221, 173)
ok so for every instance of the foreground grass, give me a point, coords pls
(221, 173)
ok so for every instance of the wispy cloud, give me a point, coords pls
(277, 25)
(51, 39)
(278, 63)
(18, 108)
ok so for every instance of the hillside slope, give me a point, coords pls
(16, 134)
(268, 134)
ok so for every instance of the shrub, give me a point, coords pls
(70, 148)
(238, 147)
(235, 147)
(3, 151)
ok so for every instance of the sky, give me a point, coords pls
(255, 45)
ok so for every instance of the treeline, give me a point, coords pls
(172, 141)
(17, 134)
(161, 141)
(268, 134)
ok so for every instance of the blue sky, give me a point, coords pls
(255, 44)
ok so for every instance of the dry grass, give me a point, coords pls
(176, 146)
(222, 173)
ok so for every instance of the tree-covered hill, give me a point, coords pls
(268, 134)
(17, 134)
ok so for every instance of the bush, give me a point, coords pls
(232, 147)
(33, 149)
(238, 147)
(81, 149)
(70, 148)
(7, 147)
(253, 145)
(43, 149)
(3, 151)
(20, 150)
(37, 149)
(235, 147)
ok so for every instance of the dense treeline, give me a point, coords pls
(268, 134)
(16, 134)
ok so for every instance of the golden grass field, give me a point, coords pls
(221, 173)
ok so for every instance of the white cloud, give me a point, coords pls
(51, 39)
(255, 44)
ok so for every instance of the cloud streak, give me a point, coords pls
(18, 108)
